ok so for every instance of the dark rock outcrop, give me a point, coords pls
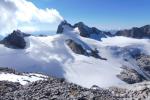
(75, 47)
(130, 76)
(78, 49)
(15, 40)
(142, 32)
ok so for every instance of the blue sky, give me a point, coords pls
(43, 16)
(105, 14)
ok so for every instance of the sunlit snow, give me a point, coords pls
(50, 55)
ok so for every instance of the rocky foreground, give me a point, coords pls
(59, 89)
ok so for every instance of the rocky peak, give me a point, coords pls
(80, 24)
(85, 31)
(60, 28)
(146, 29)
(15, 40)
(19, 33)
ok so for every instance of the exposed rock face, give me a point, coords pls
(92, 32)
(15, 40)
(78, 49)
(142, 32)
(85, 31)
(75, 47)
(130, 76)
(144, 63)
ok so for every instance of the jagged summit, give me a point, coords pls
(60, 28)
(19, 33)
(79, 24)
(95, 33)
(84, 30)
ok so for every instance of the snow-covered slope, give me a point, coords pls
(22, 79)
(11, 75)
(51, 55)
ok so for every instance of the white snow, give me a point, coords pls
(22, 79)
(50, 55)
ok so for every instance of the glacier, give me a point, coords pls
(50, 55)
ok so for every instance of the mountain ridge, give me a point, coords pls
(95, 33)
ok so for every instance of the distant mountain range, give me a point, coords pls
(94, 33)
(142, 32)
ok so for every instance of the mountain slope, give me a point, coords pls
(100, 63)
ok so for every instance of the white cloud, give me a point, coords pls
(22, 13)
(30, 29)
